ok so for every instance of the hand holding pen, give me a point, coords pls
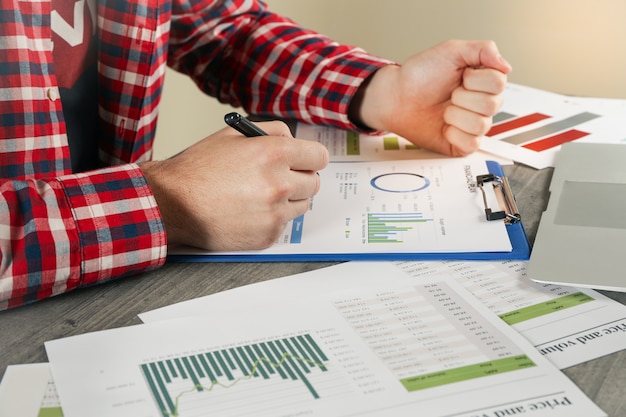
(223, 194)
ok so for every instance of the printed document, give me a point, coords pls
(377, 350)
(533, 124)
(392, 207)
(567, 325)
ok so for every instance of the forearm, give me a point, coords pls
(269, 65)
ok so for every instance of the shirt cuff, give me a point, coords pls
(120, 228)
(331, 95)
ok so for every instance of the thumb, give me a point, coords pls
(484, 54)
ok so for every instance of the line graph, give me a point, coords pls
(181, 380)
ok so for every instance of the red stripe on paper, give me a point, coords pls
(556, 140)
(514, 124)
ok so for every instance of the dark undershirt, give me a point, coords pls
(80, 109)
(75, 57)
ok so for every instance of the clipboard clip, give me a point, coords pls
(508, 209)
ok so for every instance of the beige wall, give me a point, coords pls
(567, 46)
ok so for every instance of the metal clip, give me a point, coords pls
(508, 209)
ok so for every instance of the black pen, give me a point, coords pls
(243, 125)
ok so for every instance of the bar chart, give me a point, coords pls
(393, 143)
(185, 385)
(533, 124)
(344, 146)
(391, 227)
(545, 137)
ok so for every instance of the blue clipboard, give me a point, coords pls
(517, 235)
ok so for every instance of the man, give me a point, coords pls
(82, 203)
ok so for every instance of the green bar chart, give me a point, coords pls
(390, 227)
(293, 359)
(391, 143)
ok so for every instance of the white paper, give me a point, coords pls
(29, 391)
(563, 323)
(393, 349)
(348, 146)
(430, 206)
(590, 120)
(568, 325)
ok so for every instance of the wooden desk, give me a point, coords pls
(24, 330)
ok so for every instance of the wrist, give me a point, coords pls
(356, 103)
(373, 100)
(166, 203)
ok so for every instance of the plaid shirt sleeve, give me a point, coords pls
(76, 230)
(266, 63)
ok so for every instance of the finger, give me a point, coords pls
(275, 128)
(490, 57)
(484, 80)
(479, 54)
(468, 121)
(298, 208)
(306, 155)
(461, 142)
(305, 184)
(482, 103)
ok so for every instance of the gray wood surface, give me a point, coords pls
(24, 330)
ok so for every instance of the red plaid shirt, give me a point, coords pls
(60, 230)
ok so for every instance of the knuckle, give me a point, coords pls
(481, 126)
(500, 82)
(277, 128)
(283, 128)
(276, 192)
(492, 105)
(324, 156)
